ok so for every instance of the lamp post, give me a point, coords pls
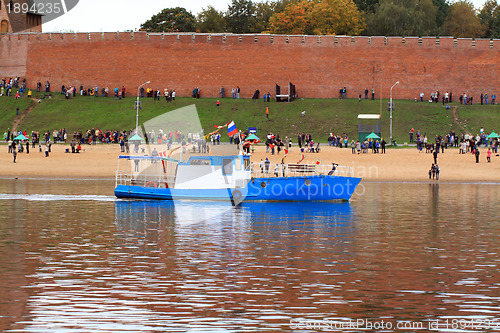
(390, 108)
(137, 107)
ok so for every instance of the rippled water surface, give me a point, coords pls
(75, 259)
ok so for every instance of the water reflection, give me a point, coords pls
(415, 252)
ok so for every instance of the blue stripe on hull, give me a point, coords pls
(310, 188)
(123, 191)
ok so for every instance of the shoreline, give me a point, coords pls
(368, 181)
(401, 165)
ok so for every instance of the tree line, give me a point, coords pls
(337, 17)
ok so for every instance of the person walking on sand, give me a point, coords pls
(488, 155)
(435, 153)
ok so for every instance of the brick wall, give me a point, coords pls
(318, 66)
(13, 55)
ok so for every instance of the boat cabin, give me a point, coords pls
(213, 172)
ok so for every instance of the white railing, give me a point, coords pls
(122, 178)
(160, 181)
(298, 170)
(273, 170)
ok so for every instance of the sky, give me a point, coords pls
(121, 15)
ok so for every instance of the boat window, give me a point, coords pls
(200, 162)
(227, 166)
(237, 164)
(247, 164)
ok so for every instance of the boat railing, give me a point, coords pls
(143, 180)
(122, 178)
(299, 170)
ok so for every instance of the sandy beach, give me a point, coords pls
(397, 165)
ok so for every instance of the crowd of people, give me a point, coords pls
(464, 98)
(17, 88)
(7, 87)
(275, 143)
(466, 142)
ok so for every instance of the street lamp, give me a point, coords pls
(390, 108)
(137, 107)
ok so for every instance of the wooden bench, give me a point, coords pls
(301, 168)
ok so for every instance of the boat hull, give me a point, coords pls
(309, 188)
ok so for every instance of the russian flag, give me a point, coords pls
(231, 129)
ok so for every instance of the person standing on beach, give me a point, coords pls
(435, 154)
(382, 144)
(14, 154)
(488, 155)
(476, 152)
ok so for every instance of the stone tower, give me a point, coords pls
(19, 16)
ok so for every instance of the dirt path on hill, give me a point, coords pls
(455, 116)
(20, 117)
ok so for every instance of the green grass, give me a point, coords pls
(322, 115)
(8, 106)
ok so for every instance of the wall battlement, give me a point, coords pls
(259, 39)
(318, 65)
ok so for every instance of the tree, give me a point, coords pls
(490, 19)
(442, 11)
(326, 17)
(263, 13)
(240, 17)
(367, 6)
(295, 19)
(462, 21)
(403, 18)
(171, 20)
(211, 20)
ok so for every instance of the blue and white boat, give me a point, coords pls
(232, 178)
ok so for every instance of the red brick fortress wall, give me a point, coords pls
(318, 66)
(13, 55)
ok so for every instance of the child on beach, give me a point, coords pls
(488, 155)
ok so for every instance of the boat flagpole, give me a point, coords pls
(241, 143)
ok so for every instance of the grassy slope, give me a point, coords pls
(8, 110)
(322, 115)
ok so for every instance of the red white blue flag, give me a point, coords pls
(231, 129)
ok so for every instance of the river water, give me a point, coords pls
(397, 258)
